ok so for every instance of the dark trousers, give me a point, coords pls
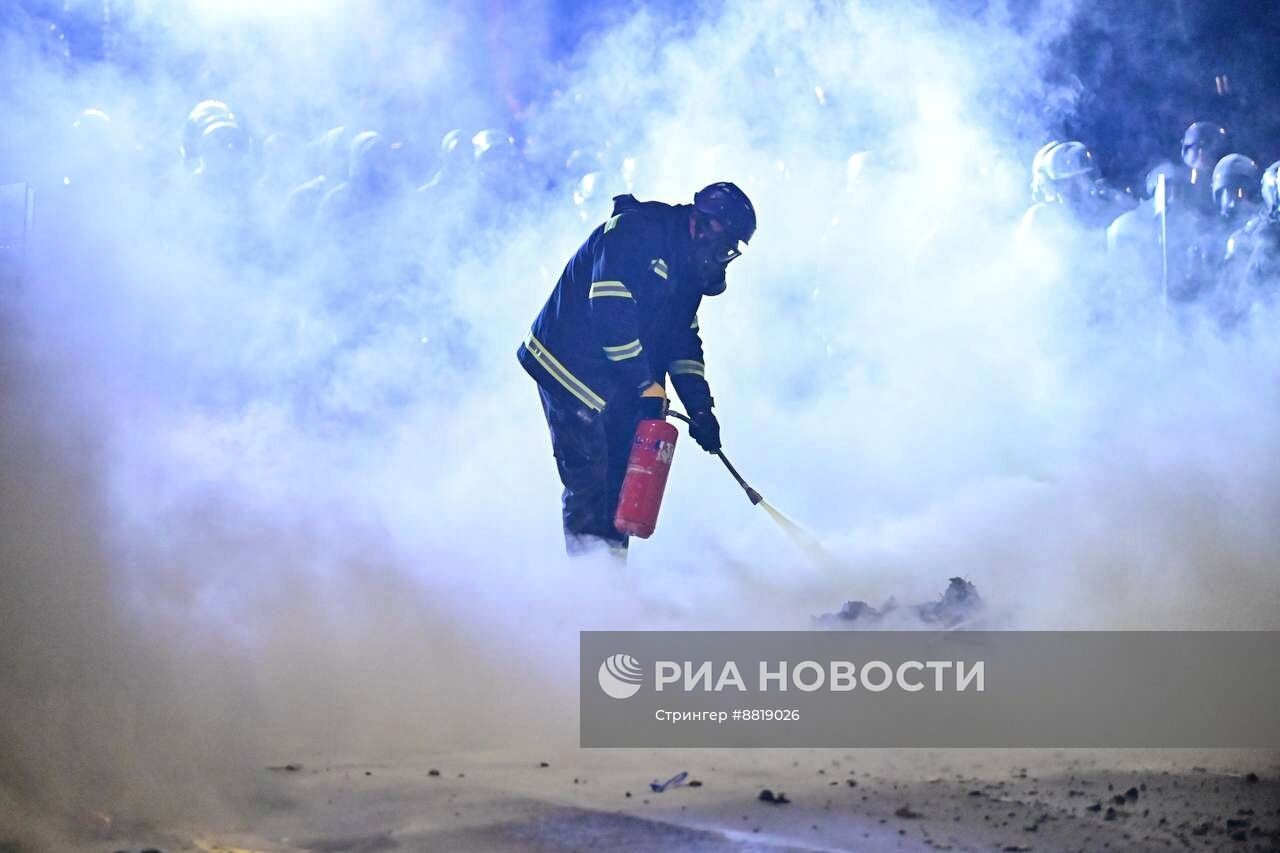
(591, 450)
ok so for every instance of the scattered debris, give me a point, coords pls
(544, 764)
(857, 611)
(286, 768)
(675, 781)
(906, 812)
(695, 783)
(958, 604)
(1250, 778)
(767, 796)
(433, 772)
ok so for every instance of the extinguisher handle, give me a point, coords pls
(752, 494)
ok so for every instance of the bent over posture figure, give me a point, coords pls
(621, 318)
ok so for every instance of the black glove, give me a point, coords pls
(652, 408)
(705, 429)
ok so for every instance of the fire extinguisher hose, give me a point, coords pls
(752, 494)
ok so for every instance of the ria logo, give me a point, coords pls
(620, 676)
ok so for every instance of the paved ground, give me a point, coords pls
(1004, 800)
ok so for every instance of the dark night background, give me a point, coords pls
(1143, 69)
(1148, 68)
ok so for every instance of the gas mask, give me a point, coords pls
(711, 253)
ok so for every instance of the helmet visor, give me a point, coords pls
(726, 251)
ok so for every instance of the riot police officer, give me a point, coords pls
(1213, 260)
(1262, 273)
(1202, 144)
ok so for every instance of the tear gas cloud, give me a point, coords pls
(275, 482)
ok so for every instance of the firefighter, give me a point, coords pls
(622, 317)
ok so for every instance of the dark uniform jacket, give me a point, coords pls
(624, 313)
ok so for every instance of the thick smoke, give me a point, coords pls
(276, 487)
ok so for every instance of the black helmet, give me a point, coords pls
(494, 150)
(1069, 160)
(1271, 190)
(225, 148)
(1039, 173)
(730, 206)
(201, 116)
(1205, 135)
(1235, 171)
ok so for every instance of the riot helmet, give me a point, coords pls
(201, 116)
(1234, 178)
(1038, 177)
(224, 150)
(587, 191)
(368, 161)
(452, 147)
(494, 151)
(1202, 143)
(1271, 191)
(1070, 172)
(499, 165)
(1069, 160)
(93, 150)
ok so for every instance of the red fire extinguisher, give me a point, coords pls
(647, 469)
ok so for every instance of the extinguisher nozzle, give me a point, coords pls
(754, 496)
